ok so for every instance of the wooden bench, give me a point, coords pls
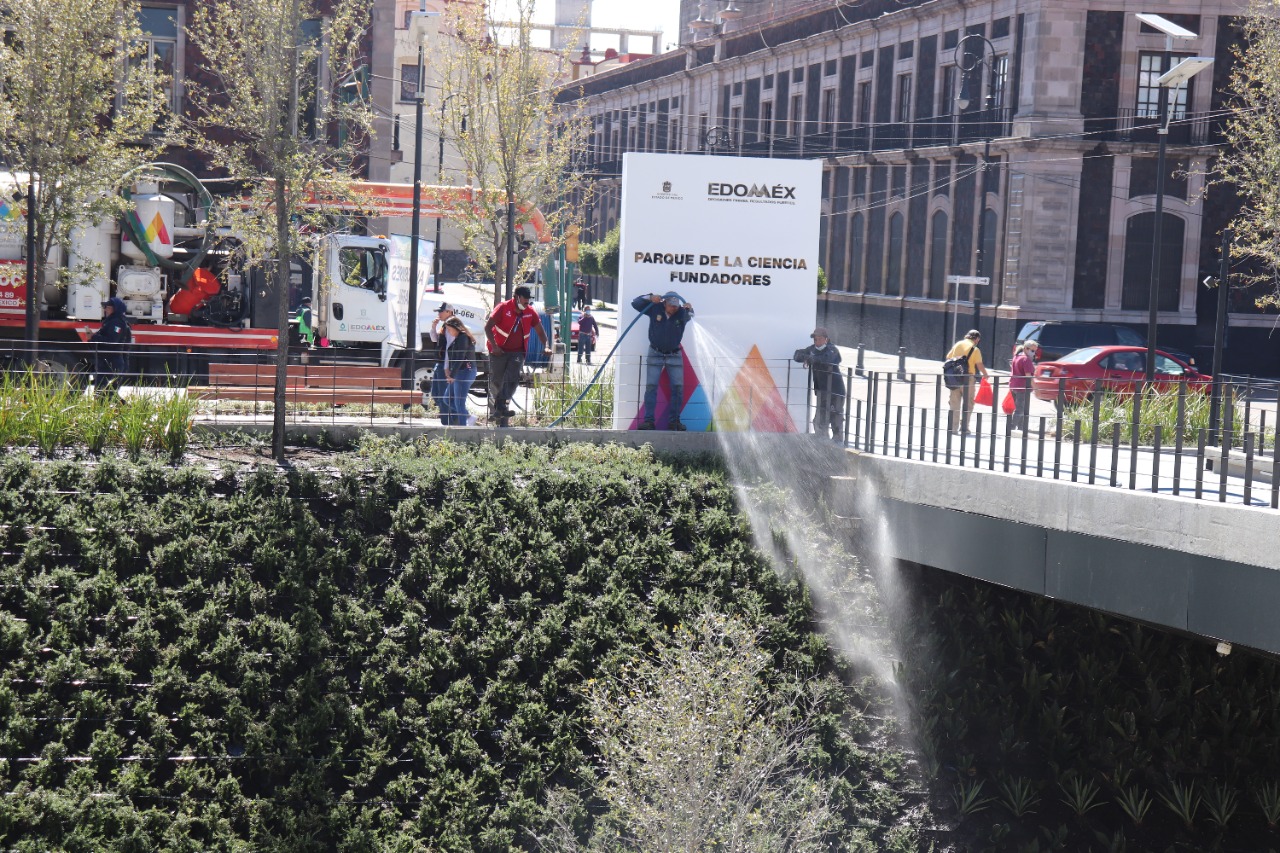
(308, 383)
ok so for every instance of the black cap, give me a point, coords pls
(306, 300)
(444, 306)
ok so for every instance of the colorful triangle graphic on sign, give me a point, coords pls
(753, 402)
(695, 413)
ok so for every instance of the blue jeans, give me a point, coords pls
(655, 363)
(438, 386)
(455, 396)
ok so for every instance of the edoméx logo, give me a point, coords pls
(751, 193)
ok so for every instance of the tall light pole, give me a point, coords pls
(32, 330)
(1169, 79)
(968, 62)
(439, 261)
(416, 230)
(1220, 334)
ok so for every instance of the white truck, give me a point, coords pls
(188, 292)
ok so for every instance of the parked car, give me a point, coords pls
(1057, 339)
(573, 329)
(1111, 368)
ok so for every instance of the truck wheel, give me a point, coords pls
(422, 379)
(422, 371)
(65, 367)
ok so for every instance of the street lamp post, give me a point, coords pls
(32, 324)
(1220, 335)
(1169, 79)
(439, 264)
(968, 62)
(412, 341)
(511, 249)
(717, 138)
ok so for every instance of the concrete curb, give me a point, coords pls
(1262, 465)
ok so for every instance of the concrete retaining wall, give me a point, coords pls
(1195, 566)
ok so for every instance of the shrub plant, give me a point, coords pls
(389, 652)
(1146, 739)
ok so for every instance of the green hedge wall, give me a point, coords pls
(383, 652)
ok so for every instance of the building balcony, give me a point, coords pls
(1140, 126)
(979, 125)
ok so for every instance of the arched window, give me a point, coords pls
(857, 248)
(989, 223)
(1139, 237)
(893, 269)
(938, 256)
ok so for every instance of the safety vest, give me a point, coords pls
(304, 326)
(509, 329)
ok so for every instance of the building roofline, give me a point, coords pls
(788, 28)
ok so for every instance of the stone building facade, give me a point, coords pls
(1012, 139)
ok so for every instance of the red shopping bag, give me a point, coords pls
(1007, 405)
(984, 395)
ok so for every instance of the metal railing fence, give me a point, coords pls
(1165, 438)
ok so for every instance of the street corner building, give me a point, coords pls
(1012, 140)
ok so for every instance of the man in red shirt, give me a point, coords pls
(507, 332)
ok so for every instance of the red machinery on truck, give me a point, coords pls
(187, 291)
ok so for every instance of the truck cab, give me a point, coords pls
(354, 291)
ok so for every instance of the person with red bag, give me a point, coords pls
(507, 331)
(962, 396)
(1024, 364)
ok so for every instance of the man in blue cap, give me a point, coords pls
(668, 316)
(113, 339)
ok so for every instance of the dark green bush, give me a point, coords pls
(384, 654)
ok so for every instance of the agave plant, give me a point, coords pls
(1080, 795)
(1135, 803)
(968, 797)
(1183, 801)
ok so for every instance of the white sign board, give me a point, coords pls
(737, 238)
(398, 267)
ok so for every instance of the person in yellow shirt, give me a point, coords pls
(962, 397)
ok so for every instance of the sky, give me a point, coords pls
(632, 14)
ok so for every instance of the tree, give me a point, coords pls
(1252, 160)
(604, 254)
(70, 119)
(267, 108)
(695, 755)
(516, 142)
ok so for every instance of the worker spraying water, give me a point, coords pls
(668, 315)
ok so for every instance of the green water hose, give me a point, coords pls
(592, 383)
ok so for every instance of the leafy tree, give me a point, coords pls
(68, 119)
(515, 141)
(266, 111)
(697, 755)
(604, 254)
(1252, 160)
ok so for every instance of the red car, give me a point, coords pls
(573, 329)
(1113, 368)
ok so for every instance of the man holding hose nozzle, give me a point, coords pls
(668, 316)
(823, 361)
